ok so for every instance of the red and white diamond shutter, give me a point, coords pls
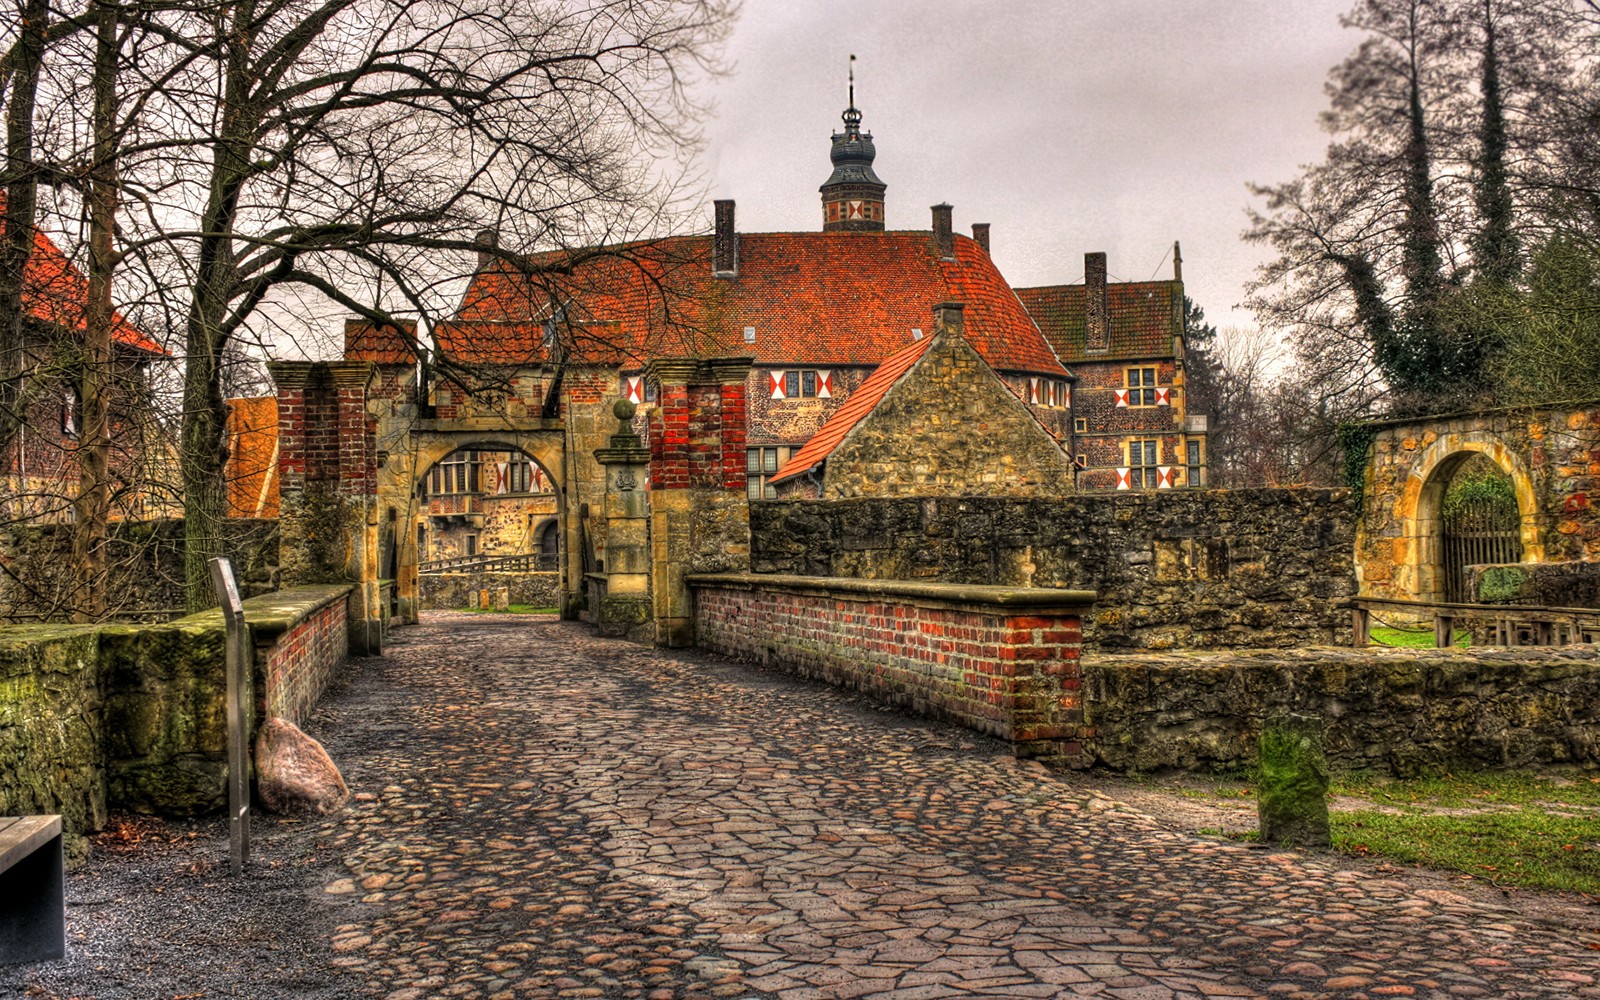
(825, 384)
(1166, 477)
(633, 388)
(1164, 397)
(1124, 479)
(1122, 397)
(777, 385)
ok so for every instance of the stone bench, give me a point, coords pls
(32, 889)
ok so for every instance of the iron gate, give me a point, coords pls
(1478, 531)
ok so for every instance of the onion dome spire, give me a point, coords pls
(852, 196)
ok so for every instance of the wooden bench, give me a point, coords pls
(33, 891)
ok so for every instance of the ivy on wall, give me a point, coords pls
(1355, 441)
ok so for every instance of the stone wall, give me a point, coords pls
(146, 566)
(948, 426)
(1551, 455)
(52, 699)
(1560, 585)
(999, 661)
(133, 716)
(461, 590)
(1173, 568)
(1395, 711)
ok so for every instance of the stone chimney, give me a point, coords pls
(1097, 316)
(943, 237)
(1177, 262)
(951, 317)
(487, 240)
(725, 241)
(980, 235)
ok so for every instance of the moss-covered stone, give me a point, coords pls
(51, 699)
(1292, 782)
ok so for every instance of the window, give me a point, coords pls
(799, 384)
(791, 384)
(808, 384)
(1080, 425)
(458, 473)
(1196, 462)
(69, 412)
(1143, 457)
(472, 545)
(760, 465)
(1141, 387)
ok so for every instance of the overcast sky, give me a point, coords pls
(1071, 126)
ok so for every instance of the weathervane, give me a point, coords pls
(852, 117)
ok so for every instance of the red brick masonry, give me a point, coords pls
(999, 660)
(300, 636)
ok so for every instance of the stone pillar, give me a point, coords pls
(327, 467)
(586, 394)
(626, 610)
(699, 517)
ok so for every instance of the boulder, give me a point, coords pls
(294, 774)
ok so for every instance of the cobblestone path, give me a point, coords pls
(544, 813)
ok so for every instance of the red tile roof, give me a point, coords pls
(1144, 316)
(860, 403)
(837, 298)
(54, 291)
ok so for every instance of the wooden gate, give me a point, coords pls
(1476, 531)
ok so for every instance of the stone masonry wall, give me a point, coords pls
(146, 564)
(1396, 711)
(133, 716)
(953, 653)
(948, 426)
(1173, 568)
(1551, 455)
(52, 697)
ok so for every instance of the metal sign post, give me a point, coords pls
(238, 669)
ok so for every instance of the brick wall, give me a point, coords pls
(1173, 568)
(1002, 662)
(301, 637)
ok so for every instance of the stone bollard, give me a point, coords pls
(502, 598)
(1292, 782)
(483, 599)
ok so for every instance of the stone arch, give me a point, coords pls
(425, 449)
(1423, 502)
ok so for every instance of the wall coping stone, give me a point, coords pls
(271, 615)
(918, 593)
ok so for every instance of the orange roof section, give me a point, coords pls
(816, 298)
(54, 291)
(1143, 318)
(252, 471)
(861, 402)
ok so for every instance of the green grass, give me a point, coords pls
(1407, 639)
(514, 609)
(1529, 830)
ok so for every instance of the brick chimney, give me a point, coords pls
(487, 239)
(980, 235)
(943, 237)
(1097, 317)
(725, 241)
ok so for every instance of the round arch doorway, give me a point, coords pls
(1471, 511)
(480, 509)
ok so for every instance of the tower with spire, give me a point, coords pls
(852, 196)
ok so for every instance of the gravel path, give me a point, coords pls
(544, 813)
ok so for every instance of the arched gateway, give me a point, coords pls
(1433, 486)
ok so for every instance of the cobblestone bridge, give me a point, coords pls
(544, 813)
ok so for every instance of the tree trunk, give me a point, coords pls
(92, 508)
(21, 186)
(204, 449)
